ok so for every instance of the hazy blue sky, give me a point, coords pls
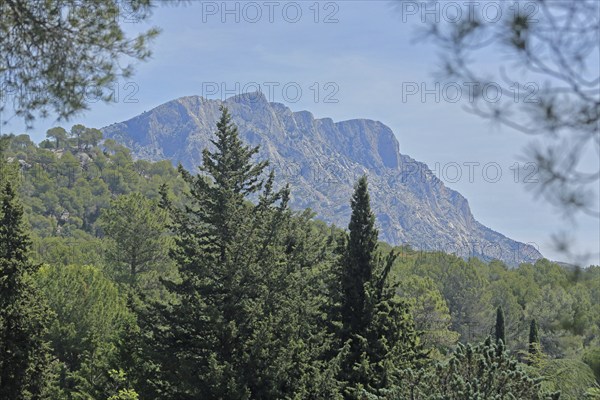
(360, 57)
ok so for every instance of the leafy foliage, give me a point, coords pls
(90, 318)
(430, 312)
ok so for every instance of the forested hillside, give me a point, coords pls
(152, 283)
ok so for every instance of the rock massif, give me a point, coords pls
(321, 160)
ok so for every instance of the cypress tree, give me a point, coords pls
(23, 315)
(359, 261)
(377, 331)
(500, 330)
(534, 339)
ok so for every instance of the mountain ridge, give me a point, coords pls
(321, 159)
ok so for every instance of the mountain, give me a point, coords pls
(321, 160)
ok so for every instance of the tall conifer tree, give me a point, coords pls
(377, 331)
(534, 338)
(359, 260)
(241, 327)
(500, 331)
(23, 316)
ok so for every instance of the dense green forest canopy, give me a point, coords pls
(159, 284)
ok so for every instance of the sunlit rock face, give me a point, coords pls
(321, 160)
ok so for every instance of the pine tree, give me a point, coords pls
(60, 136)
(500, 331)
(484, 371)
(377, 331)
(534, 339)
(136, 244)
(23, 315)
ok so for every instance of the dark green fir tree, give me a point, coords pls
(241, 326)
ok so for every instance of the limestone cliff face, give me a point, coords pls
(321, 160)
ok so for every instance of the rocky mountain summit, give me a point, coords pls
(321, 159)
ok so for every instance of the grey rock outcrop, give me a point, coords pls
(321, 160)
